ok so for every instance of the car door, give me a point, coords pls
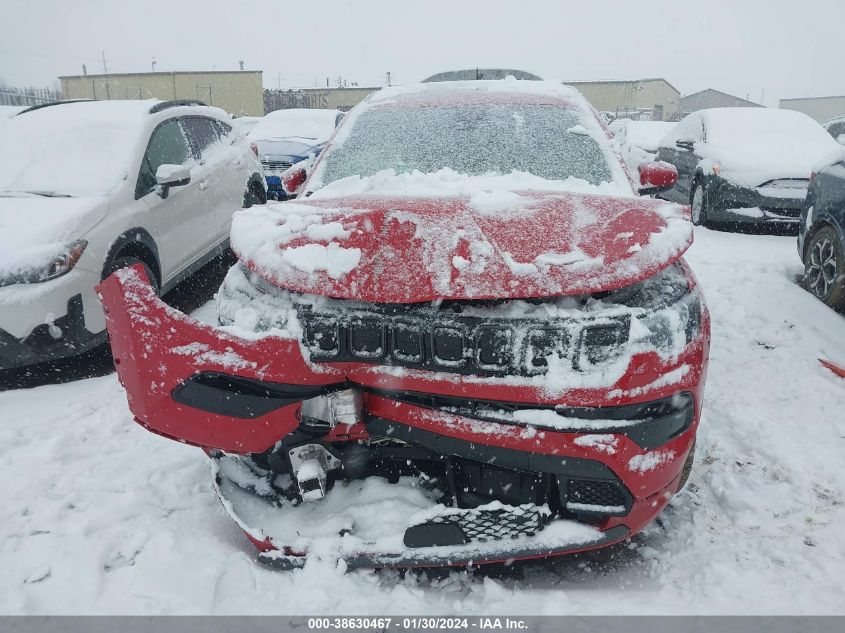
(223, 168)
(178, 215)
(679, 149)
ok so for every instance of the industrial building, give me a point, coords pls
(710, 98)
(820, 108)
(236, 92)
(653, 98)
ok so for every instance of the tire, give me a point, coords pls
(699, 205)
(824, 268)
(255, 194)
(685, 473)
(124, 262)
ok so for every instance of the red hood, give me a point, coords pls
(410, 249)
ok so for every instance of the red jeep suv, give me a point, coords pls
(472, 338)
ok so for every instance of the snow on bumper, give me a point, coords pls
(202, 385)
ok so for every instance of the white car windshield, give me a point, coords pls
(543, 140)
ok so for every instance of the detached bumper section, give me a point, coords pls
(481, 485)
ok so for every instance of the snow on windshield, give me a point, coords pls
(543, 140)
(521, 133)
(314, 125)
(76, 149)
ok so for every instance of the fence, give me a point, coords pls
(27, 96)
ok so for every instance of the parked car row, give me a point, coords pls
(90, 187)
(759, 166)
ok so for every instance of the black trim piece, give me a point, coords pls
(244, 398)
(134, 242)
(656, 422)
(175, 103)
(574, 467)
(40, 346)
(471, 556)
(434, 535)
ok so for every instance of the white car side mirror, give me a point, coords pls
(841, 139)
(173, 175)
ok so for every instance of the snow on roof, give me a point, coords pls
(80, 149)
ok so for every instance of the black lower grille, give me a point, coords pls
(489, 525)
(595, 493)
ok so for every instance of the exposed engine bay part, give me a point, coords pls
(331, 409)
(310, 463)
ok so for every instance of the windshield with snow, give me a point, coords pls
(543, 140)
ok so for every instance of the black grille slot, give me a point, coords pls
(366, 338)
(408, 343)
(599, 493)
(449, 346)
(494, 347)
(322, 336)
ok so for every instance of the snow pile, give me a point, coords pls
(263, 235)
(447, 182)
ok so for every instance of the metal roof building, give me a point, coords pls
(710, 98)
(653, 98)
(820, 108)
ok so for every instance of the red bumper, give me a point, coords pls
(157, 348)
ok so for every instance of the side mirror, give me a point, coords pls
(293, 178)
(685, 143)
(841, 139)
(657, 177)
(168, 176)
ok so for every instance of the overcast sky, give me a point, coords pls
(763, 50)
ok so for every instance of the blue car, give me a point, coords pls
(286, 137)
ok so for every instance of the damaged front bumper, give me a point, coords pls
(478, 474)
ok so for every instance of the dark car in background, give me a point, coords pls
(836, 128)
(286, 137)
(744, 165)
(821, 239)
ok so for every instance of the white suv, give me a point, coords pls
(88, 187)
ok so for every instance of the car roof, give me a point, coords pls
(80, 110)
(445, 93)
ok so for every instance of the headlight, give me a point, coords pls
(60, 264)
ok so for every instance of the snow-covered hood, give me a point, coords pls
(400, 249)
(34, 229)
(295, 147)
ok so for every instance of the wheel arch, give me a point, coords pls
(135, 242)
(817, 225)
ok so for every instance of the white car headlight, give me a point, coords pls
(62, 263)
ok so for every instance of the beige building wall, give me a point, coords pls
(236, 92)
(820, 108)
(657, 95)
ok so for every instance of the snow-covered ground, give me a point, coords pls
(99, 516)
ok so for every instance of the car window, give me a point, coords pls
(223, 129)
(836, 129)
(167, 146)
(201, 134)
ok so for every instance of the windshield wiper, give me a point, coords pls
(45, 194)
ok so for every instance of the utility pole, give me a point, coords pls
(241, 64)
(105, 68)
(154, 64)
(388, 77)
(84, 70)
